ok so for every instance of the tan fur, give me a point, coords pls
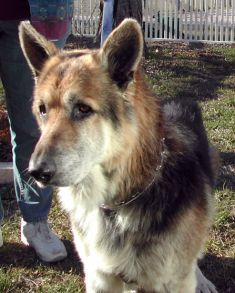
(105, 157)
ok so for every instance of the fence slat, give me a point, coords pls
(151, 20)
(175, 19)
(180, 21)
(196, 30)
(232, 27)
(146, 20)
(216, 20)
(169, 23)
(201, 21)
(222, 21)
(227, 21)
(211, 20)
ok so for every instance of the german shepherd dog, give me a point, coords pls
(134, 175)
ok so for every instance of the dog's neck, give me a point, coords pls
(116, 204)
(138, 170)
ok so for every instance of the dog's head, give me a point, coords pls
(83, 102)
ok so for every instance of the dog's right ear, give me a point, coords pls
(122, 51)
(35, 47)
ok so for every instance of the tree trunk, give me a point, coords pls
(128, 8)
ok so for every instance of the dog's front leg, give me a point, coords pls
(99, 282)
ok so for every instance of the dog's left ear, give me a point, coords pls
(122, 51)
(36, 48)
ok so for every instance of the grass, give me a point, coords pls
(176, 71)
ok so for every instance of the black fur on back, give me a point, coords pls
(188, 114)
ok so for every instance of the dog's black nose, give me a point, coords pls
(42, 172)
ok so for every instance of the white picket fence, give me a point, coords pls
(183, 20)
(86, 17)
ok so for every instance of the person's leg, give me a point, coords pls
(17, 80)
(107, 21)
(18, 84)
(60, 43)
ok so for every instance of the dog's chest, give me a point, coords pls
(110, 247)
(98, 236)
(104, 240)
(83, 202)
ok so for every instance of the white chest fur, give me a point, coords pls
(82, 202)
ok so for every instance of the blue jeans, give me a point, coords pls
(107, 21)
(17, 80)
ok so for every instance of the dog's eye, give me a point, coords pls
(85, 109)
(42, 110)
(81, 111)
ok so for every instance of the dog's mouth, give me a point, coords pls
(48, 175)
(44, 182)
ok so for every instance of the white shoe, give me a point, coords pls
(1, 239)
(47, 245)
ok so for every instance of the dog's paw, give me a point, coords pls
(203, 284)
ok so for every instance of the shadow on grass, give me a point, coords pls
(8, 197)
(228, 158)
(20, 256)
(200, 68)
(227, 175)
(197, 70)
(82, 42)
(220, 271)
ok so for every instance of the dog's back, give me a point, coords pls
(186, 116)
